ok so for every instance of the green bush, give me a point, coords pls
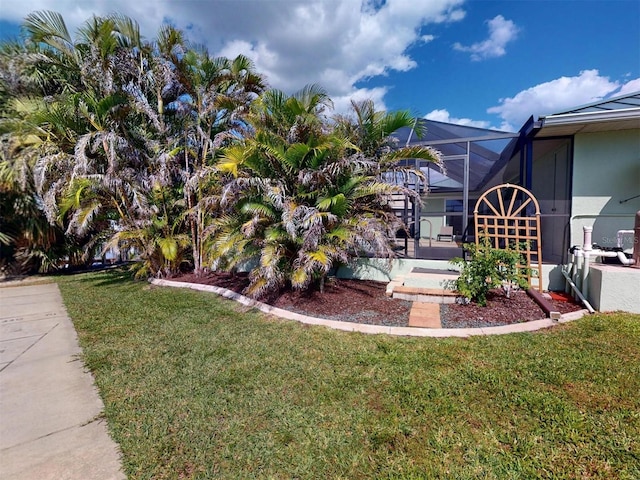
(487, 268)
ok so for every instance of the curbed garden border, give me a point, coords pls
(373, 329)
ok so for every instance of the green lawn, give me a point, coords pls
(196, 387)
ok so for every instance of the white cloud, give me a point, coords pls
(558, 95)
(501, 32)
(342, 103)
(442, 115)
(294, 43)
(630, 87)
(149, 14)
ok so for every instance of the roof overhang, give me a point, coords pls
(588, 122)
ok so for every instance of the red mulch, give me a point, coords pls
(364, 301)
(500, 310)
(361, 301)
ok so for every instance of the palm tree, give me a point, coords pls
(304, 198)
(90, 171)
(371, 130)
(124, 119)
(161, 242)
(99, 157)
(215, 95)
(28, 243)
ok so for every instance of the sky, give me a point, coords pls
(484, 63)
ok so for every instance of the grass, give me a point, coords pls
(196, 387)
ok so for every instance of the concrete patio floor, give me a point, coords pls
(50, 412)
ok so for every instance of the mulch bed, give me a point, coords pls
(500, 310)
(364, 301)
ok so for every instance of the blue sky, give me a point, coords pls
(476, 62)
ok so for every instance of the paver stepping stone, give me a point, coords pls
(425, 315)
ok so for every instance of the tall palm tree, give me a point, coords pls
(94, 156)
(125, 119)
(216, 95)
(99, 157)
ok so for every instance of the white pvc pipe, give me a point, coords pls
(622, 258)
(577, 272)
(585, 273)
(587, 244)
(569, 269)
(578, 267)
(577, 291)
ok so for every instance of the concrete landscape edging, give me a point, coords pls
(372, 329)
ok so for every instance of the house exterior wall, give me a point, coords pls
(606, 171)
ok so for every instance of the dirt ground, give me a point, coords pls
(364, 301)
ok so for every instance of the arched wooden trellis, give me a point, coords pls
(509, 216)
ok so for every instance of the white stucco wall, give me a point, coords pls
(384, 270)
(614, 287)
(606, 170)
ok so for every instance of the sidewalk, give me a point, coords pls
(50, 412)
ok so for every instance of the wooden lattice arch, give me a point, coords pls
(509, 216)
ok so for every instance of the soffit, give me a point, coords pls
(586, 126)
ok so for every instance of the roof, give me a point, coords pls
(618, 113)
(631, 100)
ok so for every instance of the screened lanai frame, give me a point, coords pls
(471, 158)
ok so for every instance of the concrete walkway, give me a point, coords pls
(50, 412)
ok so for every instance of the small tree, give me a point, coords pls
(488, 268)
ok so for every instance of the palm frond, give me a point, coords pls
(420, 152)
(336, 204)
(312, 97)
(49, 27)
(82, 218)
(300, 278)
(128, 29)
(394, 121)
(231, 158)
(259, 209)
(168, 247)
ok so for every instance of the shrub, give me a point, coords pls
(488, 268)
